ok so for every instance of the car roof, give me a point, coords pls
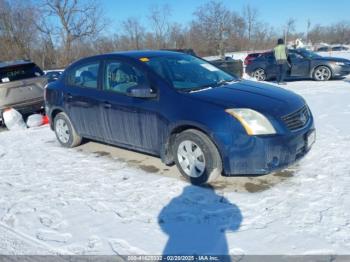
(145, 53)
(4, 64)
(254, 54)
(134, 54)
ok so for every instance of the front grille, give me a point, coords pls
(298, 119)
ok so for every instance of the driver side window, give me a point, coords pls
(120, 76)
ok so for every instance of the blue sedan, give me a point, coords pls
(182, 109)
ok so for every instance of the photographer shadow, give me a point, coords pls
(197, 221)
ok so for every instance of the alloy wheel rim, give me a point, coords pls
(62, 130)
(191, 158)
(322, 74)
(259, 75)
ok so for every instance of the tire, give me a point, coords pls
(259, 74)
(2, 123)
(197, 157)
(65, 132)
(322, 73)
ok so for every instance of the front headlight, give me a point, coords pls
(253, 122)
(340, 63)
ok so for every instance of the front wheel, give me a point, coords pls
(259, 74)
(197, 157)
(65, 132)
(322, 73)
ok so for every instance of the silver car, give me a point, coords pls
(21, 87)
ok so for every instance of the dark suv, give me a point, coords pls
(21, 86)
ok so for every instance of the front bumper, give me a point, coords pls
(341, 70)
(261, 155)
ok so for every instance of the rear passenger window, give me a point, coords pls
(84, 76)
(120, 76)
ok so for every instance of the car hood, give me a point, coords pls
(265, 98)
(333, 59)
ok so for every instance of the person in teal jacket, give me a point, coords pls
(281, 56)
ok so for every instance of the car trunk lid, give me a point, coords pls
(20, 84)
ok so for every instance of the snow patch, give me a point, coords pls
(54, 236)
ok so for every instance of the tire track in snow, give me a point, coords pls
(15, 238)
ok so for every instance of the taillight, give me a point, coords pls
(45, 92)
(248, 61)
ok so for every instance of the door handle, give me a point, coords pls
(107, 105)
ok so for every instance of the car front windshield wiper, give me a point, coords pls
(226, 82)
(192, 89)
(208, 86)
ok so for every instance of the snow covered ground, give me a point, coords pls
(54, 200)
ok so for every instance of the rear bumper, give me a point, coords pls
(26, 107)
(263, 155)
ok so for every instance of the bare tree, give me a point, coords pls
(177, 37)
(264, 37)
(159, 20)
(17, 29)
(214, 23)
(250, 15)
(106, 44)
(135, 32)
(150, 41)
(289, 28)
(77, 20)
(341, 32)
(308, 31)
(48, 52)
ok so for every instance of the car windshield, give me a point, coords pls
(18, 72)
(308, 54)
(188, 73)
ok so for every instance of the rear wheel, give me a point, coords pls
(322, 73)
(65, 132)
(2, 124)
(259, 74)
(197, 157)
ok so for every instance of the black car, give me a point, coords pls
(303, 64)
(227, 64)
(53, 75)
(324, 49)
(340, 48)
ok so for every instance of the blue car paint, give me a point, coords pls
(147, 125)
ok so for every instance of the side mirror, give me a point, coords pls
(141, 92)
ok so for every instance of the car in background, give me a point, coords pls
(303, 64)
(324, 49)
(188, 51)
(250, 57)
(228, 64)
(53, 75)
(182, 109)
(22, 85)
(340, 48)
